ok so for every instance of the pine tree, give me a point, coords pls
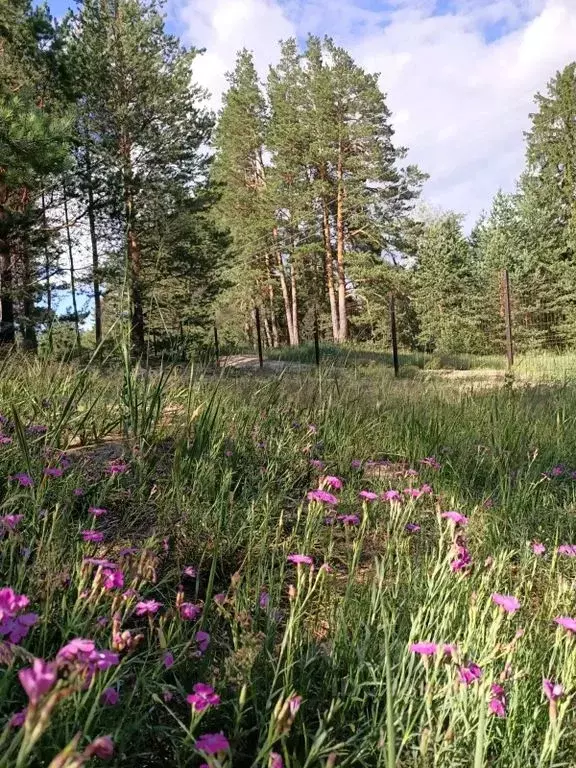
(144, 124)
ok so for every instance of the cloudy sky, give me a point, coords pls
(460, 74)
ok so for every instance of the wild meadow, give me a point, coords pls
(314, 569)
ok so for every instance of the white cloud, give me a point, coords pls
(460, 101)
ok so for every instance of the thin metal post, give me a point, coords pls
(393, 335)
(216, 346)
(508, 318)
(316, 339)
(259, 337)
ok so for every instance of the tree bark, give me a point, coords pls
(30, 342)
(295, 331)
(273, 323)
(94, 247)
(134, 258)
(7, 333)
(46, 262)
(285, 294)
(342, 312)
(72, 275)
(329, 269)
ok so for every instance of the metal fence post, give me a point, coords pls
(508, 318)
(259, 337)
(393, 334)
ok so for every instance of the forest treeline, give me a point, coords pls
(121, 192)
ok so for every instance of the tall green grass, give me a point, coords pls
(216, 477)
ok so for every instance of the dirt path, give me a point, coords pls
(251, 363)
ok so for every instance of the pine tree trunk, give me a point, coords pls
(46, 262)
(30, 342)
(267, 334)
(94, 247)
(342, 314)
(7, 333)
(285, 296)
(72, 275)
(273, 323)
(295, 331)
(329, 269)
(134, 258)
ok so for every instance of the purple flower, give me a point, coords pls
(9, 522)
(431, 462)
(538, 548)
(5, 440)
(558, 470)
(551, 690)
(97, 511)
(147, 607)
(36, 429)
(18, 718)
(431, 649)
(117, 468)
(190, 571)
(497, 704)
(349, 519)
(92, 536)
(567, 549)
(189, 611)
(113, 579)
(38, 679)
(168, 659)
(368, 495)
(356, 463)
(508, 603)
(275, 760)
(317, 464)
(335, 483)
(212, 743)
(455, 517)
(53, 472)
(17, 628)
(220, 598)
(391, 496)
(23, 479)
(110, 697)
(411, 528)
(102, 747)
(462, 559)
(469, 673)
(322, 497)
(426, 488)
(202, 641)
(300, 559)
(264, 600)
(203, 697)
(566, 622)
(78, 491)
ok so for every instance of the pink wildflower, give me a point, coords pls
(38, 679)
(190, 611)
(566, 622)
(431, 649)
(203, 697)
(212, 743)
(300, 559)
(110, 697)
(147, 607)
(391, 495)
(317, 464)
(538, 548)
(92, 536)
(113, 579)
(469, 673)
(202, 641)
(368, 495)
(102, 747)
(497, 704)
(455, 517)
(322, 497)
(411, 528)
(275, 760)
(567, 549)
(431, 462)
(10, 522)
(23, 479)
(264, 600)
(349, 519)
(551, 690)
(18, 718)
(53, 472)
(168, 659)
(78, 491)
(508, 603)
(220, 598)
(97, 511)
(116, 468)
(330, 481)
(294, 703)
(190, 571)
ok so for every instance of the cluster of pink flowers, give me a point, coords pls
(508, 603)
(497, 703)
(431, 649)
(14, 625)
(83, 654)
(10, 522)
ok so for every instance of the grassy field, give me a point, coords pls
(152, 611)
